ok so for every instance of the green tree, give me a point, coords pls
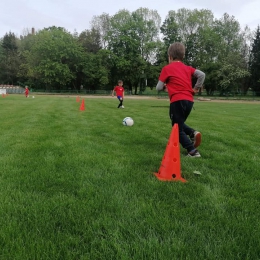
(124, 43)
(96, 70)
(25, 74)
(228, 28)
(247, 38)
(146, 24)
(10, 60)
(133, 38)
(55, 58)
(1, 62)
(147, 27)
(101, 24)
(254, 63)
(90, 40)
(211, 81)
(233, 70)
(230, 74)
(218, 47)
(194, 28)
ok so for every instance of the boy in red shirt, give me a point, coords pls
(178, 79)
(120, 92)
(26, 91)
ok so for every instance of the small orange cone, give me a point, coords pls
(78, 99)
(82, 106)
(170, 169)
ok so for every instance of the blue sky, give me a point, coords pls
(19, 16)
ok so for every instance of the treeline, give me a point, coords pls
(132, 46)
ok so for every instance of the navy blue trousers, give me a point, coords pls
(179, 112)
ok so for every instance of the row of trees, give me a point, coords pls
(133, 46)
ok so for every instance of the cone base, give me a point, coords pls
(159, 177)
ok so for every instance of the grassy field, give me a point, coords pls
(80, 185)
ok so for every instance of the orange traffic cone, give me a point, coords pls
(78, 99)
(170, 169)
(82, 106)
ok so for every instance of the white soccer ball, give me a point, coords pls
(128, 121)
(32, 96)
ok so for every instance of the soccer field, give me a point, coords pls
(80, 185)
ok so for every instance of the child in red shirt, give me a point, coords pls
(26, 91)
(176, 79)
(120, 92)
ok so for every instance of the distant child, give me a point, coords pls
(176, 79)
(26, 92)
(120, 92)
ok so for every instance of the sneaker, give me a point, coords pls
(197, 139)
(194, 154)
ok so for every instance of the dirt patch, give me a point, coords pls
(196, 99)
(99, 96)
(230, 101)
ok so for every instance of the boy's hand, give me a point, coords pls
(165, 89)
(195, 90)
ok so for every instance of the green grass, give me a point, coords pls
(80, 185)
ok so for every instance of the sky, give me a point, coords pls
(19, 16)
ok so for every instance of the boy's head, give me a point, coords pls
(120, 82)
(176, 51)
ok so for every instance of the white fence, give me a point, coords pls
(2, 91)
(10, 89)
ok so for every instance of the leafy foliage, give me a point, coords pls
(10, 59)
(133, 46)
(96, 70)
(90, 40)
(254, 63)
(54, 58)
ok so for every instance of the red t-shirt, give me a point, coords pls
(178, 78)
(119, 91)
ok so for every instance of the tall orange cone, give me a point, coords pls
(82, 106)
(170, 169)
(78, 99)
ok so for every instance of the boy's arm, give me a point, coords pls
(160, 86)
(200, 79)
(112, 92)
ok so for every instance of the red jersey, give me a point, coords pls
(26, 92)
(119, 91)
(178, 78)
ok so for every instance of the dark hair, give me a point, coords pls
(176, 51)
